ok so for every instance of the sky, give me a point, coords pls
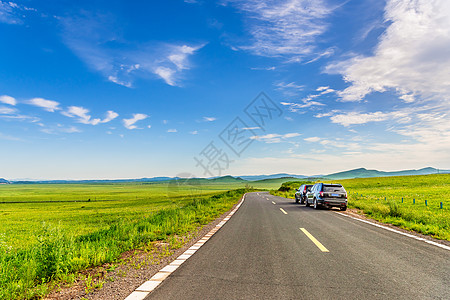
(130, 89)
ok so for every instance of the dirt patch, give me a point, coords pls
(118, 280)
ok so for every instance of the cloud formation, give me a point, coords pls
(48, 105)
(129, 123)
(97, 40)
(411, 58)
(284, 27)
(273, 138)
(8, 100)
(82, 115)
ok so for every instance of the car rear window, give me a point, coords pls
(333, 188)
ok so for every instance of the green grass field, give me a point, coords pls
(86, 208)
(381, 199)
(49, 232)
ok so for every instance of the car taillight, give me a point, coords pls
(304, 189)
(345, 195)
(321, 194)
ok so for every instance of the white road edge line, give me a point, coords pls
(399, 232)
(273, 202)
(147, 287)
(284, 212)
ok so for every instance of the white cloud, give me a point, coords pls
(95, 39)
(296, 107)
(265, 68)
(273, 138)
(312, 139)
(48, 105)
(172, 130)
(58, 129)
(7, 110)
(167, 74)
(209, 119)
(129, 123)
(289, 89)
(82, 114)
(8, 100)
(110, 115)
(284, 28)
(401, 116)
(251, 128)
(354, 118)
(194, 132)
(411, 58)
(11, 13)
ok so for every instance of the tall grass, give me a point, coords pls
(24, 273)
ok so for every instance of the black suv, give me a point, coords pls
(300, 194)
(328, 195)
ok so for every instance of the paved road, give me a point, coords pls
(261, 253)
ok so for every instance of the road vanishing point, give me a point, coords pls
(273, 248)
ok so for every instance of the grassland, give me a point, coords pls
(380, 198)
(49, 232)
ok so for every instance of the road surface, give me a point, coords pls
(273, 248)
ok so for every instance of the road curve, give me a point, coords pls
(264, 252)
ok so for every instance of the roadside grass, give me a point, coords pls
(380, 198)
(30, 270)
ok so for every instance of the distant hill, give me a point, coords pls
(226, 179)
(4, 181)
(273, 176)
(356, 173)
(364, 173)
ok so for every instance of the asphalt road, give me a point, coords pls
(261, 253)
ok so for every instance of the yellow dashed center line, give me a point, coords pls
(314, 240)
(273, 202)
(284, 212)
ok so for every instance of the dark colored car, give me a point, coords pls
(327, 195)
(300, 194)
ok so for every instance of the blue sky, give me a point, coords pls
(128, 89)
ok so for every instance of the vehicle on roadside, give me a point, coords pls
(300, 194)
(327, 195)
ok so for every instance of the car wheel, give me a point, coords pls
(302, 200)
(296, 199)
(307, 203)
(343, 208)
(316, 206)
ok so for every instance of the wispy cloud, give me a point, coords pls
(193, 132)
(172, 130)
(7, 110)
(129, 123)
(97, 40)
(289, 89)
(209, 119)
(82, 115)
(298, 107)
(59, 129)
(48, 105)
(312, 139)
(8, 100)
(284, 27)
(13, 13)
(274, 138)
(411, 58)
(9, 137)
